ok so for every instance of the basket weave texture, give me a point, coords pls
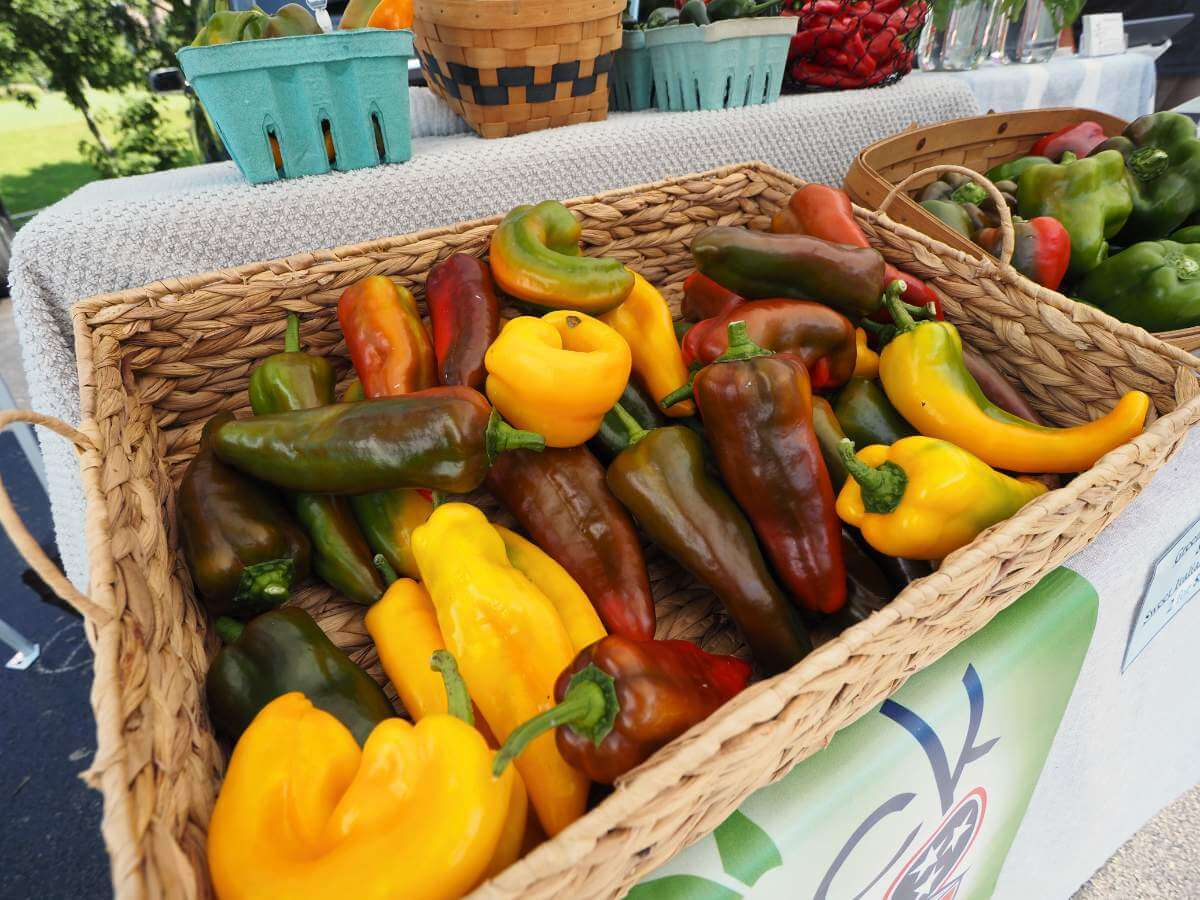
(157, 361)
(509, 68)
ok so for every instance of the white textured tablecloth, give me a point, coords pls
(112, 235)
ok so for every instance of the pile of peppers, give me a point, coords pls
(852, 45)
(808, 441)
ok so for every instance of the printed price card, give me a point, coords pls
(1174, 580)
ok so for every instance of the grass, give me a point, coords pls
(39, 148)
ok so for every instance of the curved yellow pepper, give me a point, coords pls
(557, 375)
(866, 362)
(923, 373)
(535, 256)
(923, 498)
(510, 643)
(644, 320)
(304, 813)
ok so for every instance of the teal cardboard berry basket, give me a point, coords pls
(631, 82)
(292, 106)
(736, 62)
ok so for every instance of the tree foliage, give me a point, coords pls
(146, 142)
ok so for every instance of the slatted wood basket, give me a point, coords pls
(157, 361)
(978, 143)
(509, 67)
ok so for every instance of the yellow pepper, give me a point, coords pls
(866, 362)
(923, 498)
(644, 320)
(923, 373)
(510, 642)
(305, 813)
(558, 374)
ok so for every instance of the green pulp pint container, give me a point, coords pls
(351, 85)
(631, 81)
(736, 62)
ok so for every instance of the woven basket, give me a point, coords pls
(977, 143)
(157, 361)
(509, 67)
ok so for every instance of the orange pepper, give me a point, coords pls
(392, 14)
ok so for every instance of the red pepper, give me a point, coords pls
(757, 412)
(822, 338)
(387, 340)
(621, 700)
(561, 498)
(465, 315)
(703, 298)
(1080, 139)
(1041, 250)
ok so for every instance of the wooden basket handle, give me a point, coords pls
(1007, 234)
(33, 554)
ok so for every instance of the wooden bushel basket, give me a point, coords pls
(156, 362)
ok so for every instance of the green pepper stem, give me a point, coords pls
(1147, 163)
(500, 436)
(1186, 268)
(633, 428)
(385, 568)
(882, 488)
(895, 306)
(589, 707)
(458, 701)
(291, 340)
(1068, 156)
(969, 192)
(681, 393)
(740, 345)
(229, 630)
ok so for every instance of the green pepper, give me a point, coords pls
(736, 9)
(758, 264)
(950, 214)
(1154, 284)
(294, 380)
(290, 20)
(613, 436)
(1089, 196)
(442, 438)
(1188, 235)
(663, 15)
(226, 26)
(243, 549)
(867, 416)
(1162, 159)
(1015, 168)
(661, 479)
(694, 12)
(829, 434)
(283, 651)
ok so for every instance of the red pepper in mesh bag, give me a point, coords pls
(840, 44)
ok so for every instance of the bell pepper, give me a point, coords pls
(465, 315)
(720, 10)
(1154, 284)
(1188, 235)
(294, 380)
(620, 700)
(388, 519)
(443, 439)
(303, 812)
(923, 373)
(661, 17)
(386, 338)
(694, 12)
(557, 375)
(867, 587)
(703, 298)
(757, 411)
(924, 498)
(357, 14)
(612, 437)
(759, 265)
(561, 499)
(867, 417)
(1089, 196)
(285, 650)
(1162, 161)
(510, 643)
(661, 479)
(866, 360)
(1041, 252)
(290, 20)
(226, 26)
(392, 15)
(1015, 168)
(644, 320)
(829, 434)
(950, 214)
(535, 257)
(1081, 139)
(822, 338)
(243, 548)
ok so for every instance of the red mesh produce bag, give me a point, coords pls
(852, 45)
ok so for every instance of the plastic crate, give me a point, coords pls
(737, 62)
(631, 84)
(351, 85)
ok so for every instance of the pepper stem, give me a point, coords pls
(501, 436)
(740, 345)
(633, 428)
(229, 630)
(1186, 268)
(589, 708)
(882, 487)
(291, 340)
(681, 393)
(969, 192)
(385, 568)
(895, 306)
(458, 701)
(1147, 163)
(1068, 156)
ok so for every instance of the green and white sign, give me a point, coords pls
(921, 798)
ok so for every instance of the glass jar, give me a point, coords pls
(1037, 36)
(952, 39)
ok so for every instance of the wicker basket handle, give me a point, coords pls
(1007, 234)
(33, 554)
